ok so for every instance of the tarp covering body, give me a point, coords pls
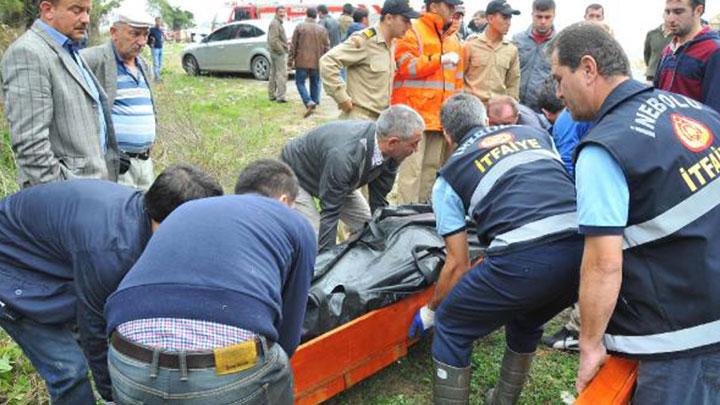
(397, 254)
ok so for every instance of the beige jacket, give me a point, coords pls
(370, 70)
(491, 71)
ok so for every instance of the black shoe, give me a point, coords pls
(272, 99)
(564, 339)
(281, 100)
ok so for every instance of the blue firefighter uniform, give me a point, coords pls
(667, 148)
(664, 151)
(512, 183)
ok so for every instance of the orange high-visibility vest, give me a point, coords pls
(421, 81)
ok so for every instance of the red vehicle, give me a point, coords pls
(295, 11)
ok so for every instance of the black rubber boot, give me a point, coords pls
(451, 385)
(513, 374)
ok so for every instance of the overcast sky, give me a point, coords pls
(629, 19)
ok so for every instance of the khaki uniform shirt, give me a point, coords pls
(370, 70)
(491, 71)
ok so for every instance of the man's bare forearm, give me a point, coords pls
(600, 280)
(457, 263)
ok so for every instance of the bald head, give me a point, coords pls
(502, 110)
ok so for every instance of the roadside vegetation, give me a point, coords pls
(221, 123)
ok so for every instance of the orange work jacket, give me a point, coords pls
(421, 81)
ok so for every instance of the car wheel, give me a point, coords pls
(190, 65)
(260, 67)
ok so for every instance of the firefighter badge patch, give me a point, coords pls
(495, 140)
(694, 135)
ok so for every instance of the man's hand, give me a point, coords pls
(346, 106)
(591, 358)
(450, 59)
(424, 319)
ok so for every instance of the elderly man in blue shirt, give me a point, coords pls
(125, 77)
(64, 247)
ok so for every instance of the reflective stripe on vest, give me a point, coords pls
(412, 67)
(404, 57)
(424, 84)
(459, 75)
(501, 168)
(674, 219)
(667, 342)
(535, 230)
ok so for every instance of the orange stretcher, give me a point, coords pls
(337, 360)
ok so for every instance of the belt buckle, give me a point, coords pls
(235, 358)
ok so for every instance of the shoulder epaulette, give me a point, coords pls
(369, 32)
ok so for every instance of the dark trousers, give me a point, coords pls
(56, 356)
(689, 380)
(301, 76)
(520, 290)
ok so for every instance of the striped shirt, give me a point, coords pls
(174, 334)
(132, 111)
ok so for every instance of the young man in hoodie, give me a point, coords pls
(690, 65)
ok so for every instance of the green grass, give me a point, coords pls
(221, 123)
(409, 380)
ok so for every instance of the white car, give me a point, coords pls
(236, 47)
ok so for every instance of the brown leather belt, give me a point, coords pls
(193, 360)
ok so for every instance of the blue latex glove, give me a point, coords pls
(424, 319)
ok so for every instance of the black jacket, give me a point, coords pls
(334, 160)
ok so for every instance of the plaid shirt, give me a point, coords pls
(183, 334)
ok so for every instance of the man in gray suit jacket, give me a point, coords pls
(334, 160)
(60, 124)
(125, 78)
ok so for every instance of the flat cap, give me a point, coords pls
(137, 20)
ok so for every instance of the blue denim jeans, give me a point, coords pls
(157, 55)
(693, 380)
(56, 356)
(520, 290)
(136, 382)
(301, 76)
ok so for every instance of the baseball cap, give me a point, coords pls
(399, 7)
(500, 6)
(139, 20)
(448, 2)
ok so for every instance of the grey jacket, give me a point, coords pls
(53, 122)
(534, 66)
(334, 160)
(103, 63)
(333, 28)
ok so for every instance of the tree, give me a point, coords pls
(22, 13)
(99, 13)
(18, 13)
(175, 17)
